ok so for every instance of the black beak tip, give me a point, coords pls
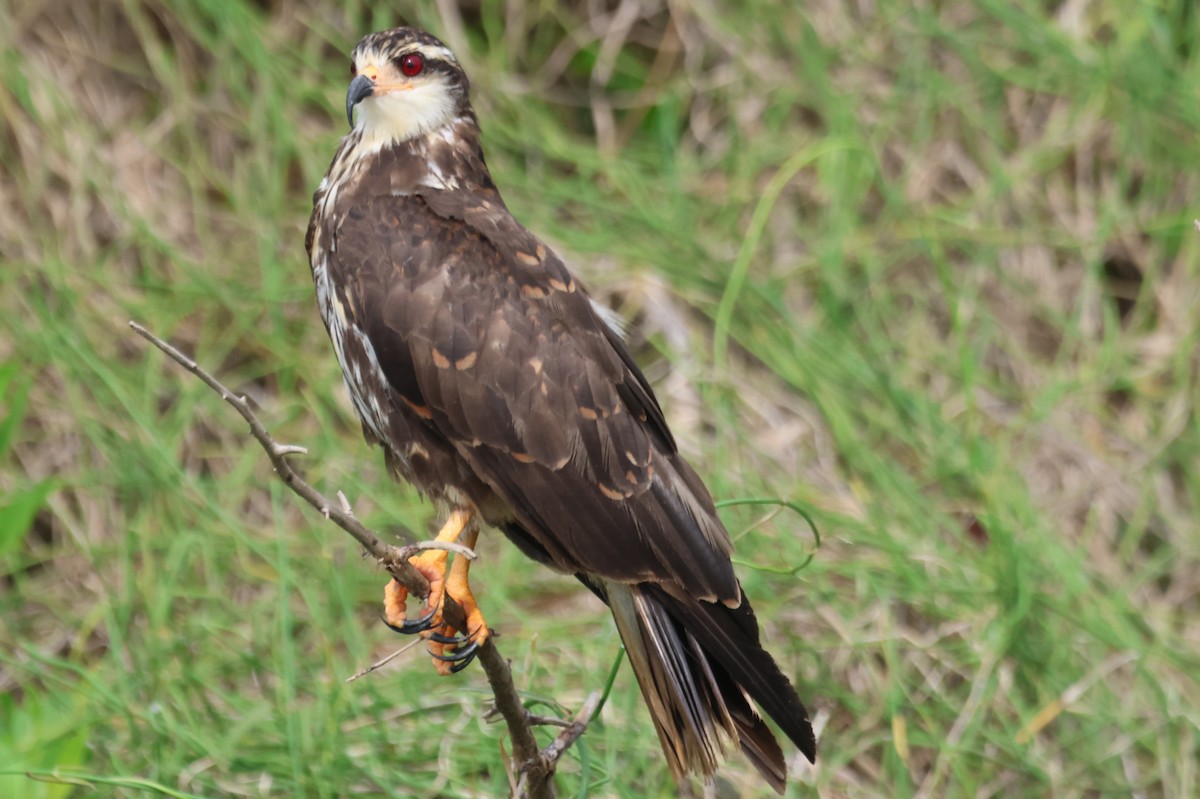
(360, 88)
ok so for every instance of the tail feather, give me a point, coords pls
(688, 712)
(730, 637)
(698, 665)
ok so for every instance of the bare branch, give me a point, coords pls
(409, 550)
(548, 721)
(388, 555)
(383, 661)
(572, 731)
(535, 768)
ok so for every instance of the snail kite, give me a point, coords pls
(496, 385)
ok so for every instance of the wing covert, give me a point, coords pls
(481, 329)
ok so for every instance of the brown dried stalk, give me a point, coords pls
(534, 768)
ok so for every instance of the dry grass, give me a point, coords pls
(962, 334)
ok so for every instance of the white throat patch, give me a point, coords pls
(404, 114)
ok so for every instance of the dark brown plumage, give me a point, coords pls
(495, 385)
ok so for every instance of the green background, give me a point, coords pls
(926, 269)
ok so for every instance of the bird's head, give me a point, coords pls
(405, 83)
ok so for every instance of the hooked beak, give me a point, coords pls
(361, 88)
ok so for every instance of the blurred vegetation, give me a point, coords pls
(927, 269)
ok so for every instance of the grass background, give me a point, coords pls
(927, 269)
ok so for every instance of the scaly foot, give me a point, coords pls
(451, 654)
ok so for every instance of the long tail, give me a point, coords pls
(699, 665)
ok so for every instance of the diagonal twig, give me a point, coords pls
(387, 554)
(573, 729)
(379, 664)
(534, 767)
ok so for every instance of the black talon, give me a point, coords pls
(410, 627)
(466, 653)
(416, 626)
(455, 641)
(461, 659)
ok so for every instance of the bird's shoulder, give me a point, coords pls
(483, 332)
(457, 280)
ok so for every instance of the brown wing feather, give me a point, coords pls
(485, 329)
(485, 213)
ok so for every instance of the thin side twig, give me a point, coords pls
(409, 550)
(387, 554)
(383, 661)
(573, 730)
(571, 733)
(534, 767)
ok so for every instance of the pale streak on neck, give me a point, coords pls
(357, 152)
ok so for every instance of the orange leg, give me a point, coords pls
(442, 583)
(461, 650)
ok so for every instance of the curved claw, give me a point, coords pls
(449, 640)
(466, 653)
(461, 659)
(416, 625)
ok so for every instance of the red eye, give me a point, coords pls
(353, 69)
(412, 64)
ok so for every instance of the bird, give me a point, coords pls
(497, 386)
